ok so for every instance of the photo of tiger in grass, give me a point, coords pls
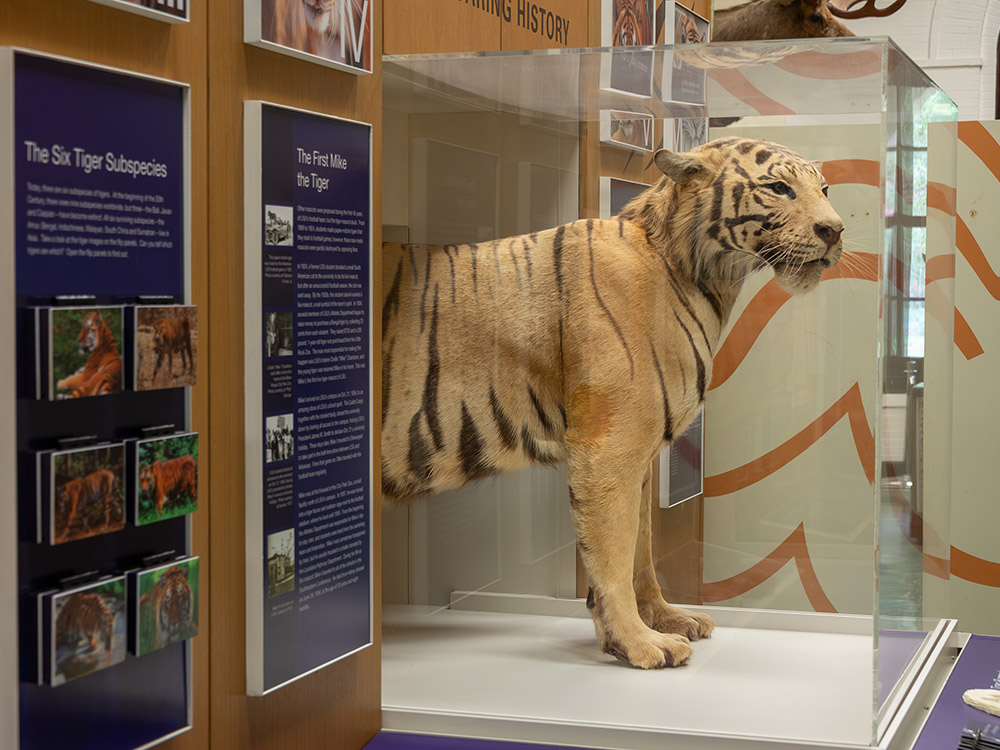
(592, 343)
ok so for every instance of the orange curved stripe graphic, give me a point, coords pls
(793, 548)
(941, 197)
(939, 267)
(739, 86)
(974, 135)
(915, 530)
(965, 337)
(851, 172)
(974, 569)
(849, 405)
(972, 253)
(829, 67)
(765, 304)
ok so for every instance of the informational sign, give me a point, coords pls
(615, 194)
(94, 205)
(308, 392)
(682, 466)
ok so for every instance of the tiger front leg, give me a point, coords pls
(654, 610)
(606, 517)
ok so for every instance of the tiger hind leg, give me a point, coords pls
(607, 524)
(654, 610)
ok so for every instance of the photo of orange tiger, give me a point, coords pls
(168, 605)
(87, 493)
(171, 478)
(96, 334)
(591, 343)
(167, 477)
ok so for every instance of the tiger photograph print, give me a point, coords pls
(87, 496)
(168, 605)
(591, 344)
(84, 351)
(88, 627)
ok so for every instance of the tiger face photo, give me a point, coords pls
(336, 30)
(633, 23)
(168, 605)
(591, 343)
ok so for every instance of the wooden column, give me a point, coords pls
(339, 706)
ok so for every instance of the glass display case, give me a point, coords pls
(816, 532)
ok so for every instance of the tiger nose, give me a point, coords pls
(828, 234)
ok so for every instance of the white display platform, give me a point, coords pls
(542, 678)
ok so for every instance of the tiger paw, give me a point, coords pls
(666, 618)
(650, 651)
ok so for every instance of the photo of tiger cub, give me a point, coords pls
(592, 343)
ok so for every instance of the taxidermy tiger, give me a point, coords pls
(592, 343)
(776, 19)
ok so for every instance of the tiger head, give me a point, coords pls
(174, 603)
(748, 204)
(91, 329)
(147, 480)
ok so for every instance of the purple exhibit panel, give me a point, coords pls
(315, 410)
(100, 181)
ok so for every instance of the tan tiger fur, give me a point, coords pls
(317, 26)
(633, 25)
(75, 498)
(85, 617)
(776, 19)
(592, 343)
(172, 478)
(172, 605)
(102, 372)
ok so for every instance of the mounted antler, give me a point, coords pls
(868, 9)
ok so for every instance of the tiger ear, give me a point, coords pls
(681, 168)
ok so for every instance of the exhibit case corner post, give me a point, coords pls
(96, 208)
(308, 391)
(821, 534)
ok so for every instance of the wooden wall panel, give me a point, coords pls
(337, 707)
(554, 23)
(433, 26)
(100, 34)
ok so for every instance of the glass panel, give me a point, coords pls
(817, 406)
(915, 485)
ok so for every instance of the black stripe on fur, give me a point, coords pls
(430, 400)
(471, 449)
(505, 427)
